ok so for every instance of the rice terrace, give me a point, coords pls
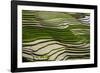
(55, 36)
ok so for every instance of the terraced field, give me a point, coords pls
(55, 36)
